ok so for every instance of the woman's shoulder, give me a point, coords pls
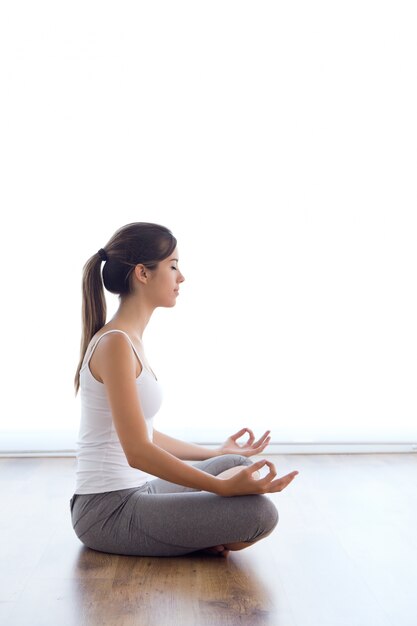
(111, 337)
(106, 347)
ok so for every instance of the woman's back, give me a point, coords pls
(101, 462)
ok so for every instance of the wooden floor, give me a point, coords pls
(343, 554)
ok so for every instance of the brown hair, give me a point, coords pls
(138, 242)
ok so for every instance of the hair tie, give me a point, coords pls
(103, 254)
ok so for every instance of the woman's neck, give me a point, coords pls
(132, 317)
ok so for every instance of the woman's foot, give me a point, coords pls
(218, 550)
(235, 470)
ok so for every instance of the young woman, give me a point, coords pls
(217, 504)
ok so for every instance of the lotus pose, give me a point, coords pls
(135, 494)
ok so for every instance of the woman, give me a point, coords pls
(118, 505)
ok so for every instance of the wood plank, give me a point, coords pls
(344, 553)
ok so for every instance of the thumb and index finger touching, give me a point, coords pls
(259, 464)
(241, 432)
(251, 438)
(271, 471)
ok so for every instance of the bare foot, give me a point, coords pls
(235, 470)
(219, 550)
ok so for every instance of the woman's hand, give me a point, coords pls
(243, 483)
(249, 448)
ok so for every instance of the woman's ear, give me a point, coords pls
(140, 273)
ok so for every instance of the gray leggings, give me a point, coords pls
(164, 519)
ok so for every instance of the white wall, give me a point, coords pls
(277, 141)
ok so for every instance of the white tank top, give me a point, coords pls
(101, 462)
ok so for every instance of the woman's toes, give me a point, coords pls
(215, 550)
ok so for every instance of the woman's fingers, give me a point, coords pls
(251, 437)
(242, 432)
(247, 480)
(271, 474)
(238, 434)
(258, 465)
(261, 463)
(255, 447)
(262, 440)
(281, 483)
(268, 481)
(263, 444)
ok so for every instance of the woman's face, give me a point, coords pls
(165, 281)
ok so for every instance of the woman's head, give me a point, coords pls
(133, 244)
(137, 255)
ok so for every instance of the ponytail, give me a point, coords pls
(94, 308)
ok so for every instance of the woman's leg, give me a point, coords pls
(165, 519)
(138, 522)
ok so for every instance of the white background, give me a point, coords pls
(277, 140)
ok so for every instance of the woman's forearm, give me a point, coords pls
(183, 449)
(156, 461)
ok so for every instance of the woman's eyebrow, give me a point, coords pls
(174, 260)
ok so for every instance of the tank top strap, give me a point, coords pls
(114, 330)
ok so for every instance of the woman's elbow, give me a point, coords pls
(139, 459)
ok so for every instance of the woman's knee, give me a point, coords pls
(268, 517)
(262, 522)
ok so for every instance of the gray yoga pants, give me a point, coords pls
(161, 518)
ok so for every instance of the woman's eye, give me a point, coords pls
(173, 268)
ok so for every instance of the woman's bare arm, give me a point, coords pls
(183, 449)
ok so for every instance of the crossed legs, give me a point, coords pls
(165, 519)
(233, 463)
